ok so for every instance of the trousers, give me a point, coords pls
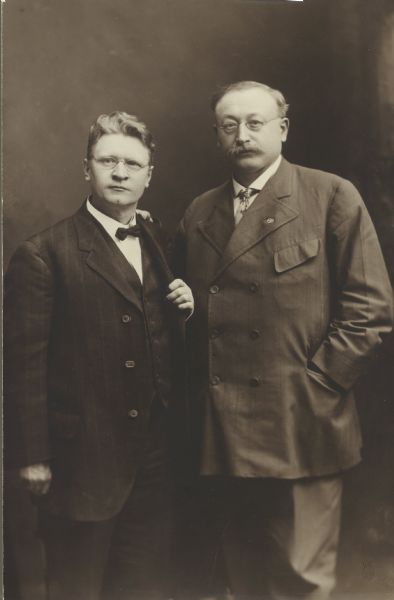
(263, 539)
(123, 557)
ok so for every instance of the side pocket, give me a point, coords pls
(325, 401)
(321, 380)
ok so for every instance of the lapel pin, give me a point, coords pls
(269, 220)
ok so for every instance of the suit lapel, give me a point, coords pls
(272, 208)
(105, 258)
(154, 245)
(219, 226)
(154, 242)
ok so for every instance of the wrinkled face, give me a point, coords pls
(118, 171)
(252, 149)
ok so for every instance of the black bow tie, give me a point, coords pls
(123, 232)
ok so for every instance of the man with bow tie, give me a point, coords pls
(292, 298)
(93, 389)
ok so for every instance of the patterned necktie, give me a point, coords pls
(123, 232)
(244, 197)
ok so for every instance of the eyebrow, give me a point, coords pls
(250, 116)
(115, 156)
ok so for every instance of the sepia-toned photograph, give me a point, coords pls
(198, 257)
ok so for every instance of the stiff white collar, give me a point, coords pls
(110, 225)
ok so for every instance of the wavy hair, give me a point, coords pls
(120, 122)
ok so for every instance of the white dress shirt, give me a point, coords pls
(130, 246)
(257, 184)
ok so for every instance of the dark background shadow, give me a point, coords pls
(67, 62)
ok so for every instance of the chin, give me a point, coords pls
(120, 198)
(249, 164)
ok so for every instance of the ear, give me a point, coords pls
(149, 177)
(86, 169)
(285, 124)
(215, 128)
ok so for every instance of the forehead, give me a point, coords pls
(121, 145)
(245, 102)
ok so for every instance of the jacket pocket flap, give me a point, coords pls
(290, 257)
(63, 425)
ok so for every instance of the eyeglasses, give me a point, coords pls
(110, 162)
(251, 124)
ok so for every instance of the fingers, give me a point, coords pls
(179, 292)
(182, 300)
(38, 488)
(181, 295)
(186, 306)
(145, 214)
(36, 478)
(176, 284)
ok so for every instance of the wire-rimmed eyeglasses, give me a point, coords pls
(251, 124)
(110, 162)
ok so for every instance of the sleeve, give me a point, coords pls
(179, 243)
(178, 251)
(28, 301)
(362, 313)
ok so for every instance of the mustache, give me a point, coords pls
(238, 149)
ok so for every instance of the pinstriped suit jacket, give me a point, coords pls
(73, 318)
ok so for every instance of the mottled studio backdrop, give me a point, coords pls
(66, 61)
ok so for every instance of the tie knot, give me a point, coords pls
(123, 232)
(246, 193)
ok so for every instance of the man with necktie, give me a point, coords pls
(93, 377)
(292, 298)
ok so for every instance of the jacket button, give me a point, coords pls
(133, 413)
(126, 318)
(214, 289)
(215, 380)
(254, 287)
(254, 334)
(255, 381)
(214, 333)
(129, 364)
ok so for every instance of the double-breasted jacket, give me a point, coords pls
(290, 306)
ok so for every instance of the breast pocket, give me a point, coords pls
(298, 278)
(293, 256)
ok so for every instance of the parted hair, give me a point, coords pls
(279, 98)
(120, 122)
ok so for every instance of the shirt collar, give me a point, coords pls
(261, 180)
(110, 225)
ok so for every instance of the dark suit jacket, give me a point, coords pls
(77, 362)
(299, 286)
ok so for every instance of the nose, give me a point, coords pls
(242, 133)
(120, 171)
